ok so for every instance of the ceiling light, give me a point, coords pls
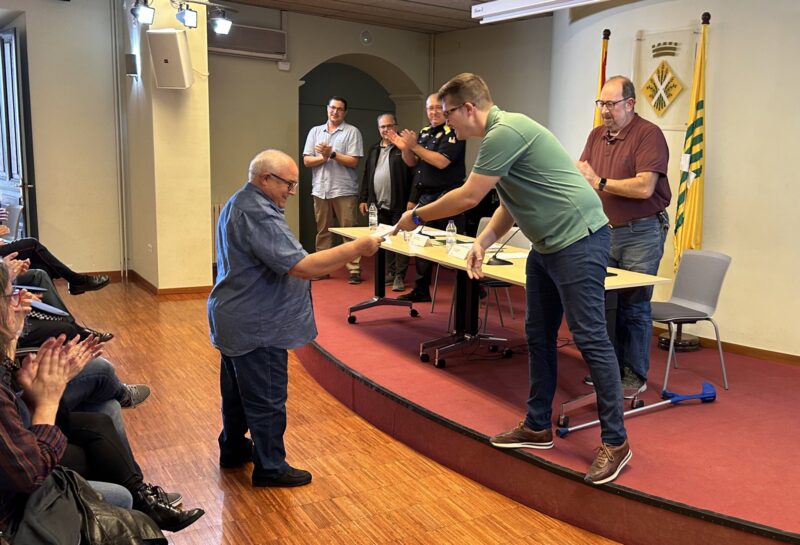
(187, 16)
(219, 23)
(143, 13)
(503, 10)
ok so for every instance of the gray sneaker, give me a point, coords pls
(134, 395)
(398, 284)
(608, 463)
(632, 384)
(524, 437)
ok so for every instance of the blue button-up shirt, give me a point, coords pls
(330, 179)
(255, 303)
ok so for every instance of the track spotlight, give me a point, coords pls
(187, 16)
(219, 23)
(143, 12)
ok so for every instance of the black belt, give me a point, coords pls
(662, 217)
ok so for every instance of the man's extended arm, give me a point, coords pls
(325, 261)
(453, 202)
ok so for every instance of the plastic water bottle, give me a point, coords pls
(373, 217)
(451, 234)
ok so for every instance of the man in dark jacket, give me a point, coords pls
(386, 183)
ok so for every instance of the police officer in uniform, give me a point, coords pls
(437, 157)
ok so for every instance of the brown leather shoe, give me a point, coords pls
(524, 437)
(608, 463)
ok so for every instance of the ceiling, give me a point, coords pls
(430, 16)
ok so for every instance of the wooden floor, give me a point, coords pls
(367, 487)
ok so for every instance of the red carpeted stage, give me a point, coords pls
(701, 472)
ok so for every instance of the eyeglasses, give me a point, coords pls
(290, 183)
(336, 109)
(449, 111)
(608, 103)
(384, 127)
(13, 297)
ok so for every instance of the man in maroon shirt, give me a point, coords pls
(625, 160)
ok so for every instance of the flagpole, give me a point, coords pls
(689, 214)
(601, 76)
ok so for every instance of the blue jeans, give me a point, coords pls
(113, 494)
(98, 389)
(571, 281)
(636, 247)
(96, 383)
(253, 388)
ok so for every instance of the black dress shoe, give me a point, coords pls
(415, 296)
(89, 283)
(237, 458)
(104, 336)
(153, 502)
(293, 477)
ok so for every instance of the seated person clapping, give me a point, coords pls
(32, 444)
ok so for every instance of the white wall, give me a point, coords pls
(751, 135)
(73, 129)
(513, 58)
(168, 180)
(254, 105)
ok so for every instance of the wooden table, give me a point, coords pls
(467, 299)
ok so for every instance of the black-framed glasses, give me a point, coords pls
(449, 111)
(13, 297)
(290, 183)
(336, 108)
(608, 103)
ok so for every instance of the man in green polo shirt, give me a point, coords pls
(541, 190)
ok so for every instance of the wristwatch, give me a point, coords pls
(602, 185)
(333, 155)
(415, 218)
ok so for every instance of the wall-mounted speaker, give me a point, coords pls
(169, 52)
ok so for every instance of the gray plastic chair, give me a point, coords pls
(694, 299)
(14, 219)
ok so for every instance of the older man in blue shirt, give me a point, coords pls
(259, 308)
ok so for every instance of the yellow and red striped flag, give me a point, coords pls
(689, 214)
(601, 78)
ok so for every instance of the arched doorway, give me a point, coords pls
(371, 86)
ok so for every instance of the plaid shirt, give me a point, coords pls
(28, 453)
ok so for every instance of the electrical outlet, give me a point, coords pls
(149, 248)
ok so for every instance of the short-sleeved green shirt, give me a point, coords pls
(540, 185)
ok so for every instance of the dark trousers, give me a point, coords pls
(572, 282)
(96, 452)
(396, 264)
(41, 258)
(254, 389)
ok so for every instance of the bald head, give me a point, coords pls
(267, 161)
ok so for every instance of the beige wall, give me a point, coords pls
(513, 58)
(254, 105)
(73, 128)
(751, 191)
(168, 182)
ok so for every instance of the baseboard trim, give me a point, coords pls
(741, 349)
(144, 283)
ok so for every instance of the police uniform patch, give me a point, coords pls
(439, 134)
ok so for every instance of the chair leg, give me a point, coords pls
(486, 315)
(435, 288)
(499, 310)
(510, 306)
(721, 358)
(452, 310)
(671, 353)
